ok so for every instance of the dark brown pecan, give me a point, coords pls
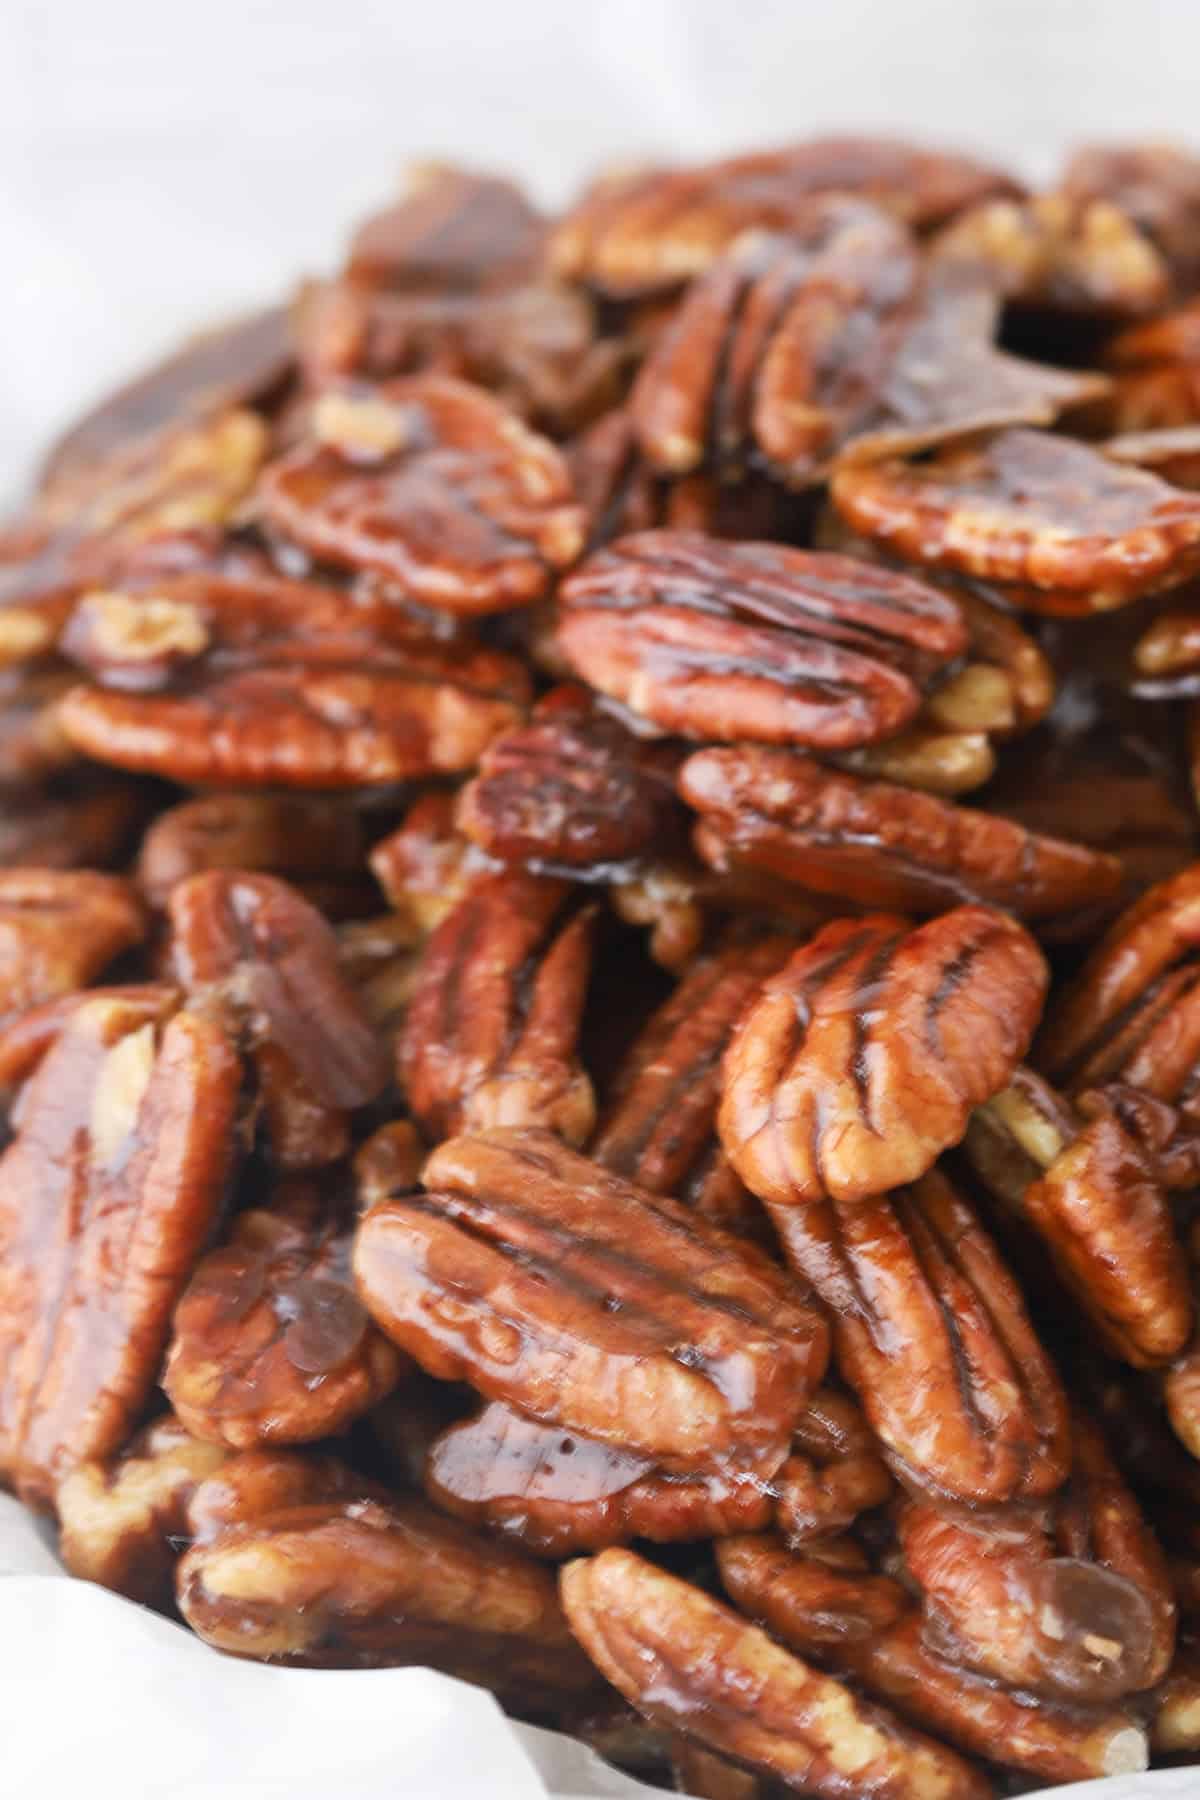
(633, 234)
(557, 1494)
(1157, 185)
(1078, 1607)
(801, 352)
(34, 747)
(684, 1659)
(1161, 398)
(931, 1331)
(778, 813)
(270, 1344)
(317, 845)
(492, 1025)
(59, 930)
(123, 1144)
(572, 790)
(84, 820)
(434, 485)
(1173, 338)
(365, 1584)
(449, 228)
(834, 1614)
(290, 685)
(565, 1292)
(1091, 1194)
(755, 641)
(250, 944)
(1076, 531)
(861, 1060)
(121, 1519)
(658, 1128)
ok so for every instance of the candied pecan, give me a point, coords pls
(778, 813)
(389, 1162)
(426, 866)
(25, 1041)
(1181, 1384)
(1077, 531)
(835, 346)
(245, 1487)
(931, 1331)
(379, 959)
(562, 1290)
(270, 1344)
(492, 1025)
(448, 228)
(683, 1658)
(317, 845)
(557, 1494)
(862, 1058)
(59, 929)
(698, 1772)
(123, 1142)
(631, 234)
(755, 641)
(834, 1472)
(434, 485)
(1162, 398)
(927, 758)
(1157, 185)
(34, 746)
(822, 1611)
(571, 790)
(299, 686)
(1092, 1196)
(658, 1128)
(120, 1519)
(1175, 1727)
(1174, 455)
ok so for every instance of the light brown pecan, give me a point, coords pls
(562, 1290)
(1078, 532)
(29, 1036)
(59, 930)
(834, 1472)
(389, 1162)
(250, 945)
(572, 790)
(291, 685)
(426, 866)
(379, 959)
(830, 1613)
(492, 1025)
(861, 1060)
(120, 1519)
(317, 845)
(449, 228)
(1092, 1195)
(755, 641)
(631, 234)
(777, 813)
(932, 1333)
(270, 1344)
(365, 1584)
(682, 1658)
(837, 345)
(1156, 184)
(1175, 1727)
(434, 485)
(123, 1144)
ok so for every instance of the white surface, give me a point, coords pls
(162, 164)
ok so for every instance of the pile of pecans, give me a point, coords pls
(600, 969)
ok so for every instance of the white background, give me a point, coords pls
(162, 163)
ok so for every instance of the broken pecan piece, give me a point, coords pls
(124, 1136)
(492, 1024)
(755, 641)
(872, 843)
(59, 929)
(682, 1658)
(564, 1291)
(426, 866)
(863, 1057)
(434, 485)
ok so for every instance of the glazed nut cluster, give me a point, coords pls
(600, 969)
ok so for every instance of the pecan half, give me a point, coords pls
(315, 844)
(633, 234)
(120, 1519)
(59, 929)
(244, 1488)
(434, 485)
(364, 1584)
(448, 228)
(1077, 531)
(830, 1613)
(682, 1658)
(124, 1135)
(873, 843)
(490, 1034)
(863, 1057)
(270, 1343)
(291, 685)
(554, 1286)
(755, 641)
(931, 1332)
